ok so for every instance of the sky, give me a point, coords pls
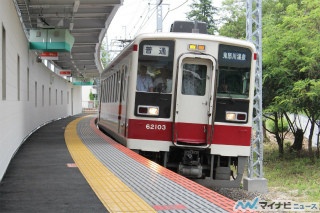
(139, 16)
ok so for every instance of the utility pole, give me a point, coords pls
(255, 180)
(159, 15)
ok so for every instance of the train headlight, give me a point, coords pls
(230, 116)
(236, 116)
(153, 111)
(148, 110)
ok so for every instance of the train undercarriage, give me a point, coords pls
(201, 166)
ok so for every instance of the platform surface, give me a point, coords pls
(70, 166)
(40, 177)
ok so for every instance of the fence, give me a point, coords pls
(90, 106)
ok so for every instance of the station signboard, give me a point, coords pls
(49, 55)
(66, 73)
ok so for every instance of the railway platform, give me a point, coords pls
(70, 166)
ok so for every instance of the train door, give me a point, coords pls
(194, 100)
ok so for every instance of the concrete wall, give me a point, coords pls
(34, 94)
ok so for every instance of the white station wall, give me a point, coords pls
(34, 95)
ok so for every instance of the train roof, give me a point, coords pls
(197, 36)
(179, 35)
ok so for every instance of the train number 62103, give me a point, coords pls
(156, 126)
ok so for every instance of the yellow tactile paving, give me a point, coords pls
(113, 193)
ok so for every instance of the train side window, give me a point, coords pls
(113, 87)
(106, 90)
(124, 76)
(194, 79)
(109, 89)
(124, 82)
(101, 93)
(118, 85)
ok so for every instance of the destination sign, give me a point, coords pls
(155, 50)
(234, 56)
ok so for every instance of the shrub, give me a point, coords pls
(282, 128)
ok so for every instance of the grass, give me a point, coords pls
(296, 176)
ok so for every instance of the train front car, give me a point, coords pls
(234, 108)
(187, 103)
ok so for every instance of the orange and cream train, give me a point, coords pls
(190, 109)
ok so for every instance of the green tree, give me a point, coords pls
(105, 56)
(306, 97)
(91, 96)
(202, 10)
(291, 55)
(233, 19)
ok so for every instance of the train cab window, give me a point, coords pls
(233, 82)
(155, 66)
(163, 80)
(154, 77)
(234, 71)
(194, 79)
(144, 80)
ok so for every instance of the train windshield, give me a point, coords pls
(234, 71)
(155, 66)
(154, 77)
(233, 82)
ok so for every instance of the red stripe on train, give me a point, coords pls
(162, 130)
(149, 130)
(232, 135)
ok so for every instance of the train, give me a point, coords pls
(184, 100)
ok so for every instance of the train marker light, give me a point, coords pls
(142, 110)
(199, 47)
(148, 110)
(236, 116)
(241, 116)
(135, 47)
(192, 46)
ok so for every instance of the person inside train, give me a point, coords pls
(144, 81)
(191, 80)
(224, 88)
(163, 83)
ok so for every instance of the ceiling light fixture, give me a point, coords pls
(71, 26)
(76, 6)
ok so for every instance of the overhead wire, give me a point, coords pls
(174, 9)
(146, 9)
(145, 21)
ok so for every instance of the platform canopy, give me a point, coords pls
(87, 21)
